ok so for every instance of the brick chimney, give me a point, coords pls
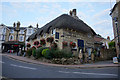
(74, 12)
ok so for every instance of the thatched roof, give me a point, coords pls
(64, 21)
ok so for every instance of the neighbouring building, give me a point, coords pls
(30, 30)
(10, 37)
(66, 28)
(115, 14)
(2, 34)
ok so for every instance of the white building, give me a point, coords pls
(2, 34)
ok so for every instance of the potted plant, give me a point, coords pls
(65, 44)
(28, 45)
(42, 42)
(72, 44)
(50, 39)
(36, 43)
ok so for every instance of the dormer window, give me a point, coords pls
(53, 31)
(44, 35)
(11, 31)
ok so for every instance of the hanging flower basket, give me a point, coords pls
(39, 46)
(65, 44)
(54, 45)
(15, 45)
(36, 43)
(72, 44)
(34, 47)
(28, 45)
(42, 42)
(50, 39)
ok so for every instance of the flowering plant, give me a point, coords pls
(28, 45)
(42, 42)
(54, 45)
(72, 44)
(39, 46)
(15, 45)
(50, 39)
(34, 47)
(65, 43)
(36, 43)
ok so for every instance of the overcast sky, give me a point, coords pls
(95, 14)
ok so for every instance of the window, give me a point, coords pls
(21, 38)
(57, 35)
(11, 37)
(44, 35)
(3, 37)
(21, 31)
(11, 31)
(29, 31)
(53, 31)
(89, 35)
(4, 30)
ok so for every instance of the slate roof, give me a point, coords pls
(64, 21)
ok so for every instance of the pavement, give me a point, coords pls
(99, 64)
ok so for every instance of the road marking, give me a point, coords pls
(63, 72)
(96, 74)
(23, 67)
(102, 74)
(2, 62)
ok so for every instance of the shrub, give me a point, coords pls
(111, 44)
(66, 53)
(47, 53)
(34, 52)
(56, 53)
(29, 52)
(39, 52)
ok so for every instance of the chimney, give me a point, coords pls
(70, 13)
(74, 12)
(14, 25)
(37, 25)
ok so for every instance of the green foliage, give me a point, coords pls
(47, 53)
(34, 52)
(39, 52)
(112, 44)
(29, 52)
(56, 53)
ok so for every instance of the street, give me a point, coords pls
(17, 69)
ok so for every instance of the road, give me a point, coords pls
(17, 69)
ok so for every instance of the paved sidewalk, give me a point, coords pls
(100, 64)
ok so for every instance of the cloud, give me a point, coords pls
(57, 0)
(104, 28)
(101, 14)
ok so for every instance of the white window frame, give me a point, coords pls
(10, 37)
(21, 31)
(21, 38)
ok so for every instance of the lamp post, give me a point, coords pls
(17, 29)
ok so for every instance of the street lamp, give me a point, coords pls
(17, 29)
